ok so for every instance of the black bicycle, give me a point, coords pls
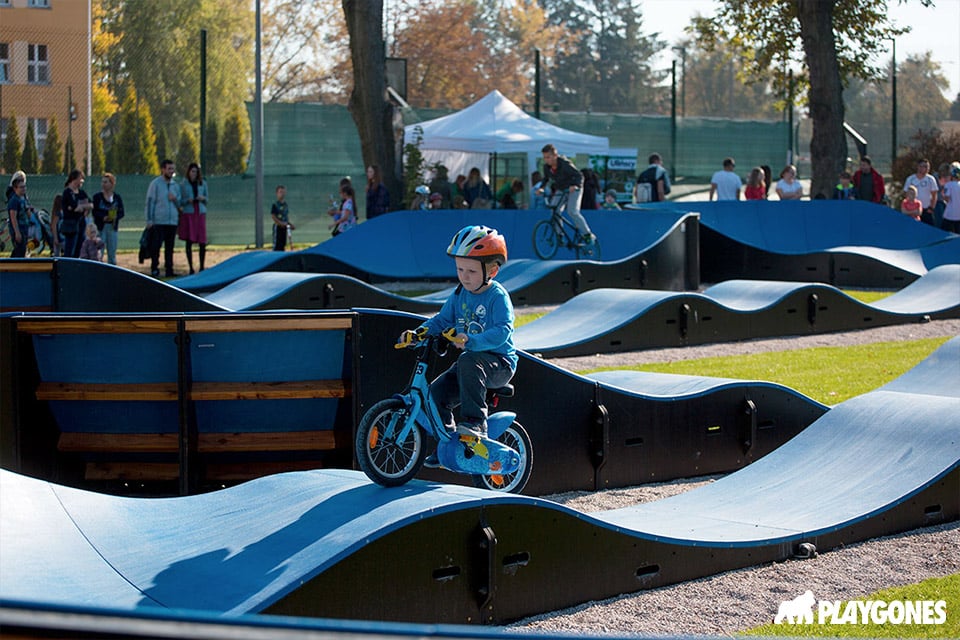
(559, 231)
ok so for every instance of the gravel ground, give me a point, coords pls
(738, 600)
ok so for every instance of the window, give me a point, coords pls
(39, 3)
(39, 132)
(4, 62)
(3, 134)
(38, 66)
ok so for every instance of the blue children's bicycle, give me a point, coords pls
(391, 445)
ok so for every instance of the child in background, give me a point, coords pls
(910, 205)
(280, 212)
(92, 247)
(610, 200)
(346, 218)
(756, 188)
(845, 189)
(481, 312)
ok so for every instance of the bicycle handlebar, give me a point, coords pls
(407, 337)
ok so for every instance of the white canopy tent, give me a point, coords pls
(495, 125)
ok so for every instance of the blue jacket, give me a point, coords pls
(159, 208)
(186, 196)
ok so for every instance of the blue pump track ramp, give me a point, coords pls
(844, 243)
(70, 284)
(332, 544)
(410, 245)
(607, 320)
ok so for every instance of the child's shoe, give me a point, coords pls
(475, 429)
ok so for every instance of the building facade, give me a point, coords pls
(45, 71)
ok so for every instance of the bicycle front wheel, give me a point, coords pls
(546, 241)
(386, 459)
(589, 251)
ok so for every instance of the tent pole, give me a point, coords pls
(493, 181)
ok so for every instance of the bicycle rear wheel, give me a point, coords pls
(546, 241)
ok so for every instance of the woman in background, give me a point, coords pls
(107, 212)
(378, 199)
(193, 219)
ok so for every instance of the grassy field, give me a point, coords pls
(947, 589)
(827, 374)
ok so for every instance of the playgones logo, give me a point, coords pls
(800, 610)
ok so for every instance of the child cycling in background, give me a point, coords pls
(481, 313)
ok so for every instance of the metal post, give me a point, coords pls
(70, 115)
(893, 117)
(673, 120)
(790, 117)
(203, 99)
(536, 83)
(258, 140)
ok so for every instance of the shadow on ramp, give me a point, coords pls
(331, 544)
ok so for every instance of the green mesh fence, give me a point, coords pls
(321, 140)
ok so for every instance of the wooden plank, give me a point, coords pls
(85, 326)
(26, 266)
(135, 471)
(247, 442)
(85, 442)
(138, 392)
(240, 323)
(270, 390)
(270, 441)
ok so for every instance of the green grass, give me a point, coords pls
(869, 296)
(947, 588)
(827, 374)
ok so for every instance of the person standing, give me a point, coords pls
(868, 182)
(280, 213)
(563, 175)
(193, 219)
(951, 196)
(726, 184)
(162, 211)
(655, 176)
(756, 188)
(788, 187)
(378, 198)
(75, 206)
(18, 217)
(107, 212)
(927, 189)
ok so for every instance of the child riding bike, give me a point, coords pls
(481, 313)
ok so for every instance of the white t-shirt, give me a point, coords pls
(786, 188)
(926, 187)
(952, 191)
(728, 184)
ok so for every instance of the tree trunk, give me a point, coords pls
(828, 146)
(373, 114)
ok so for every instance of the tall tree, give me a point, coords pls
(165, 65)
(372, 112)
(29, 160)
(69, 156)
(235, 147)
(212, 142)
(52, 161)
(604, 63)
(834, 40)
(713, 87)
(188, 149)
(12, 150)
(305, 49)
(135, 147)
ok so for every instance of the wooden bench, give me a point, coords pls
(99, 444)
